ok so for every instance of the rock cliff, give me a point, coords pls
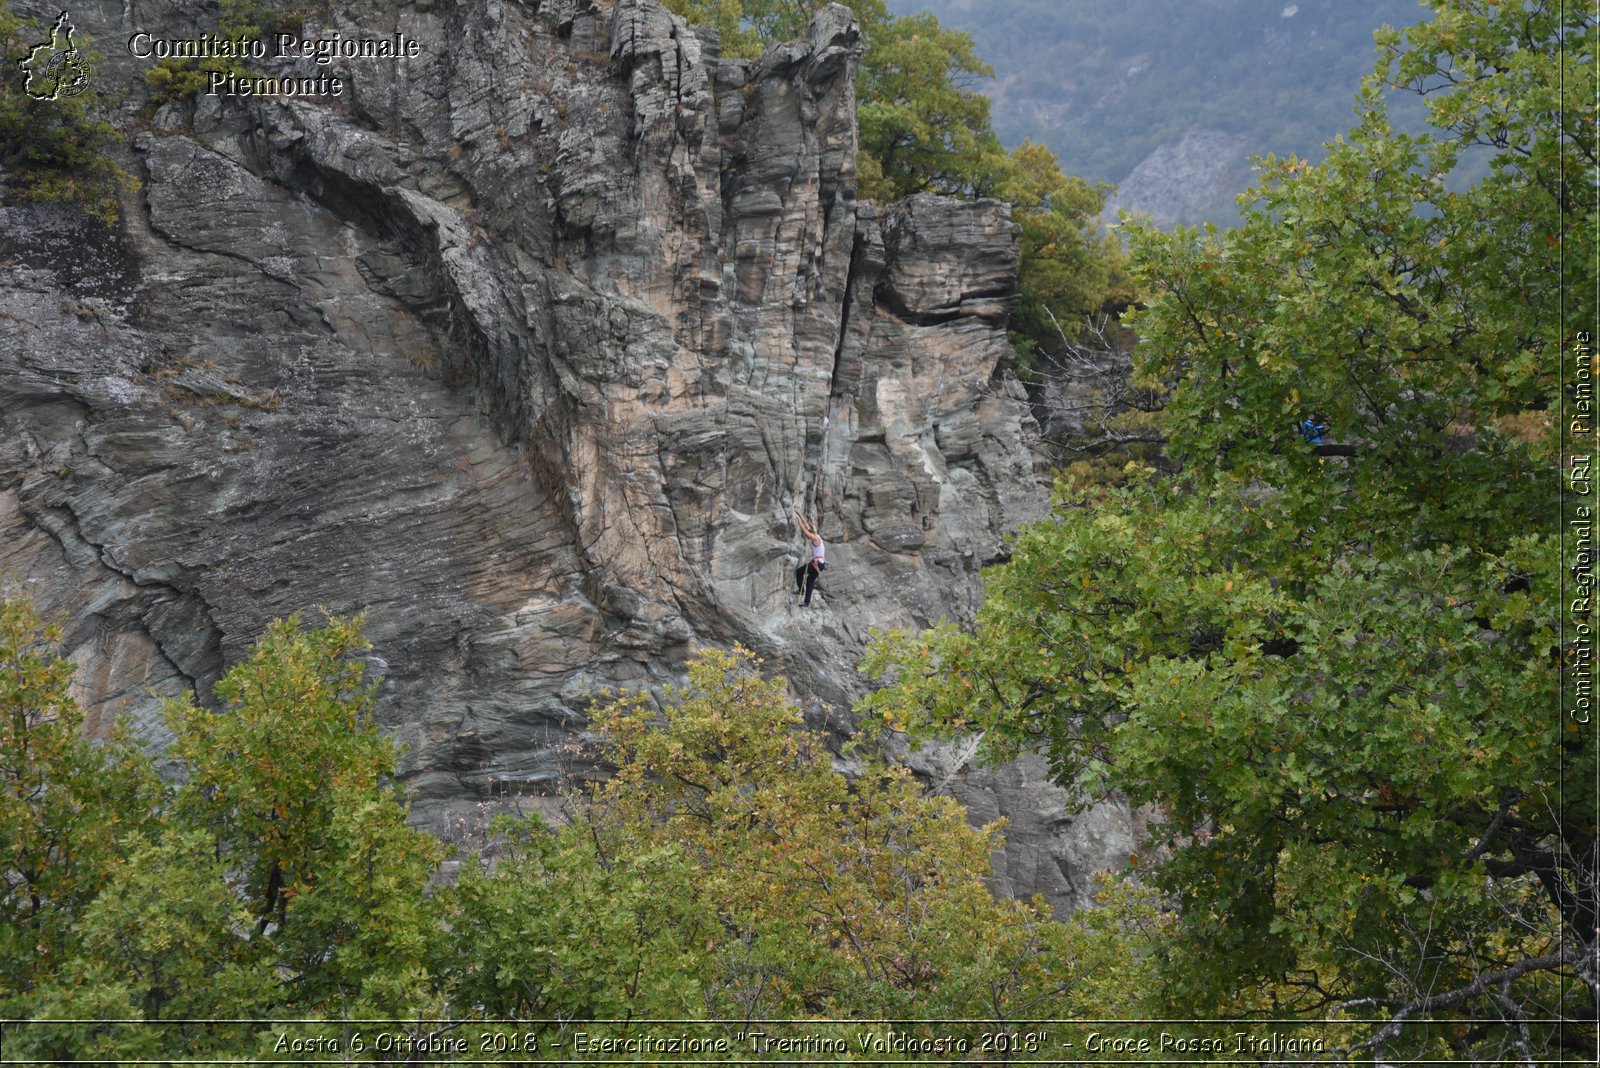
(525, 346)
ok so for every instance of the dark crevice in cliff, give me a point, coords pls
(360, 204)
(842, 380)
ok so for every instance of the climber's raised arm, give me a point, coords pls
(806, 528)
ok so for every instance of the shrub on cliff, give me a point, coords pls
(181, 79)
(52, 151)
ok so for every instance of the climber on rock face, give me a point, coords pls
(805, 576)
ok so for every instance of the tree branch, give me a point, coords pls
(1432, 1003)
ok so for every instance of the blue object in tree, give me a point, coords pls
(1312, 431)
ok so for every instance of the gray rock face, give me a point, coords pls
(526, 347)
(1183, 182)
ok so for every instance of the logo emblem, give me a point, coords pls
(55, 68)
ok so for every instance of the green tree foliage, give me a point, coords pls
(293, 781)
(1334, 667)
(924, 128)
(53, 151)
(726, 870)
(1068, 268)
(279, 879)
(160, 941)
(265, 769)
(1521, 86)
(555, 930)
(64, 804)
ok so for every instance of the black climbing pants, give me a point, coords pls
(805, 579)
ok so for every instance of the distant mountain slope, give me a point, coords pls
(1106, 85)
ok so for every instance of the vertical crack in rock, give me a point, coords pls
(837, 386)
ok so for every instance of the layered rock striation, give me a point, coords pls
(526, 347)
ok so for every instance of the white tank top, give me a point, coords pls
(817, 550)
